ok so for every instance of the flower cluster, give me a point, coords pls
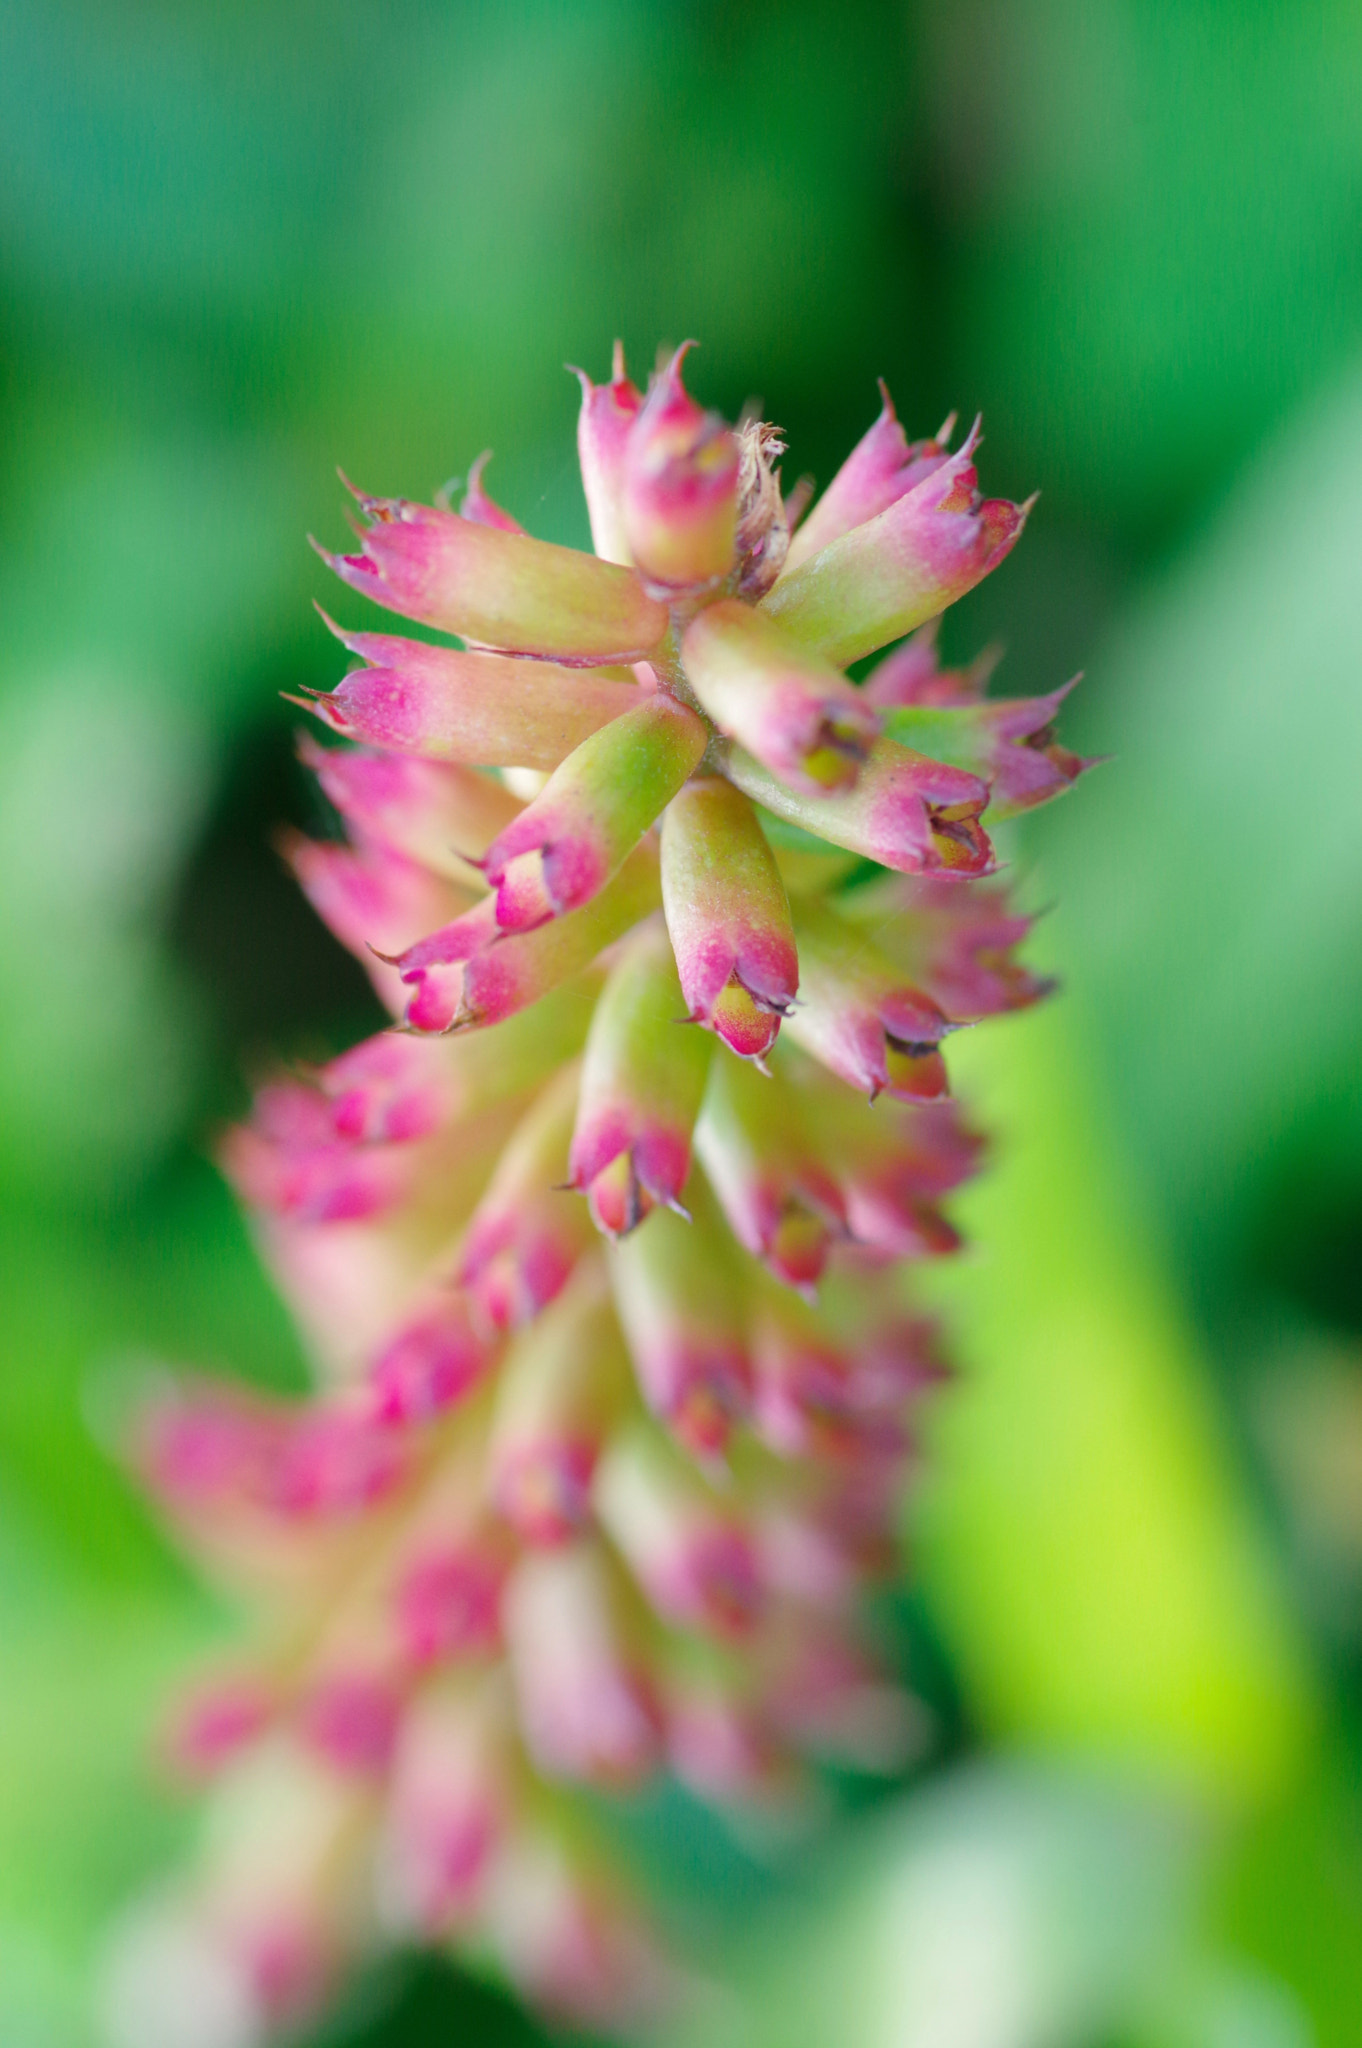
(601, 1252)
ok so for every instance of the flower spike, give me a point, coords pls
(664, 901)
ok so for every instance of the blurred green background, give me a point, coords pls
(242, 242)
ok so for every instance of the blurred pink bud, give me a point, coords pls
(906, 811)
(956, 944)
(336, 1461)
(690, 1554)
(499, 589)
(803, 1378)
(436, 812)
(882, 468)
(727, 916)
(447, 1810)
(461, 979)
(525, 1235)
(860, 1016)
(585, 1701)
(324, 1180)
(572, 1944)
(795, 714)
(827, 1695)
(196, 1442)
(372, 899)
(432, 1362)
(724, 1751)
(608, 412)
(900, 568)
(485, 710)
(448, 1601)
(564, 1384)
(679, 1305)
(681, 468)
(642, 1080)
(214, 1722)
(912, 673)
(401, 1087)
(351, 1718)
(781, 1202)
(565, 845)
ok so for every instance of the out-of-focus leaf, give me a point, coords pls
(1213, 893)
(1085, 1540)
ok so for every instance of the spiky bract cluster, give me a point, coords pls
(600, 1255)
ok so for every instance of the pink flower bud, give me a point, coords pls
(336, 1461)
(642, 1081)
(900, 568)
(433, 1361)
(461, 979)
(797, 715)
(525, 1235)
(565, 845)
(912, 673)
(571, 1943)
(681, 468)
(213, 1723)
(479, 507)
(1008, 741)
(882, 468)
(679, 1305)
(608, 412)
(484, 709)
(585, 1701)
(827, 1695)
(782, 1203)
(955, 944)
(448, 1810)
(372, 899)
(448, 1600)
(727, 916)
(565, 1382)
(859, 1016)
(194, 1443)
(894, 1162)
(435, 812)
(690, 1555)
(724, 1751)
(351, 1718)
(318, 1180)
(906, 811)
(825, 1391)
(500, 589)
(400, 1087)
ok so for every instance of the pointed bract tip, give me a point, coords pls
(672, 373)
(887, 411)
